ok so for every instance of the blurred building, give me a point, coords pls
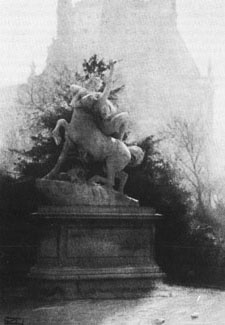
(161, 78)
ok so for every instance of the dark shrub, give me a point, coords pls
(18, 234)
(190, 247)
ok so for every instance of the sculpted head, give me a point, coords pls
(90, 99)
(94, 84)
(74, 89)
(76, 93)
(137, 155)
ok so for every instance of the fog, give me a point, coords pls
(202, 26)
(27, 28)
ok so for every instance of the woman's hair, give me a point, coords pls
(75, 88)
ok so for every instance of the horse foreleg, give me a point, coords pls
(54, 172)
(55, 133)
(108, 86)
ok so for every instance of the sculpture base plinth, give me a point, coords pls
(95, 252)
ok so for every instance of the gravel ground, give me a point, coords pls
(169, 305)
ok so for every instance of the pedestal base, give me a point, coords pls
(101, 283)
(95, 252)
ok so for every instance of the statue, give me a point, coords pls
(107, 118)
(83, 131)
(94, 123)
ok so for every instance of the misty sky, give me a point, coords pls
(202, 25)
(28, 26)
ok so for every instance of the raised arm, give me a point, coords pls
(108, 86)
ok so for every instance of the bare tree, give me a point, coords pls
(188, 151)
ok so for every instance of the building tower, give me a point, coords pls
(161, 77)
(65, 21)
(209, 104)
(62, 49)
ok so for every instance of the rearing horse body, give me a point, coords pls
(83, 131)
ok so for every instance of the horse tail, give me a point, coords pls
(56, 132)
(137, 156)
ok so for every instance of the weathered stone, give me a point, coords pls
(95, 251)
(98, 129)
(61, 193)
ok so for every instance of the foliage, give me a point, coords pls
(46, 99)
(17, 230)
(187, 243)
(202, 259)
(94, 67)
(154, 184)
(188, 153)
(190, 246)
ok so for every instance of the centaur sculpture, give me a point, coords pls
(96, 127)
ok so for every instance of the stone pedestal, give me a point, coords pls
(89, 252)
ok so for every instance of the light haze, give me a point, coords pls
(28, 26)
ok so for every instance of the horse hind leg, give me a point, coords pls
(62, 157)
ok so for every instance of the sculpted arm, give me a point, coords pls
(108, 86)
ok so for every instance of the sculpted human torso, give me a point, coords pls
(106, 114)
(82, 125)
